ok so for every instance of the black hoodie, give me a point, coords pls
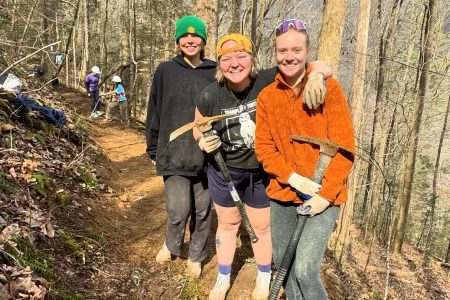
(171, 105)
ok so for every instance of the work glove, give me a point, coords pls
(209, 143)
(315, 90)
(313, 206)
(304, 185)
(153, 162)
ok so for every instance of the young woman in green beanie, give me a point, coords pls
(175, 85)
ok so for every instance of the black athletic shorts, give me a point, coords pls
(250, 185)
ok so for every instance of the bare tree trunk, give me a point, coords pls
(422, 232)
(357, 102)
(85, 59)
(105, 44)
(373, 185)
(447, 256)
(331, 33)
(48, 14)
(434, 192)
(132, 54)
(246, 27)
(66, 63)
(74, 63)
(28, 23)
(206, 10)
(404, 196)
(235, 14)
(152, 39)
(70, 38)
(254, 22)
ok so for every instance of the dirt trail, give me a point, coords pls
(133, 223)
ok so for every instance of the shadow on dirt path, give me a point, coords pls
(132, 221)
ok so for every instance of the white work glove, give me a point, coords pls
(304, 185)
(153, 162)
(209, 143)
(315, 90)
(313, 206)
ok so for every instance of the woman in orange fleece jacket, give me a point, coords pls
(280, 114)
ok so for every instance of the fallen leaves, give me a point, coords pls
(20, 283)
(6, 127)
(42, 165)
(28, 167)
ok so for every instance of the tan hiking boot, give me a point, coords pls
(262, 288)
(220, 289)
(163, 255)
(194, 268)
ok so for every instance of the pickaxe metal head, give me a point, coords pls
(328, 150)
(203, 124)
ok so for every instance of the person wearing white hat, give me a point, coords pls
(119, 99)
(92, 87)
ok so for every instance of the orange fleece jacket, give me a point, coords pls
(279, 115)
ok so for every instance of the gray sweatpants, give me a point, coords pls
(303, 278)
(187, 197)
(123, 106)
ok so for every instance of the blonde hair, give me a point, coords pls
(221, 77)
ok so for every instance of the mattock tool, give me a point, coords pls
(327, 151)
(204, 124)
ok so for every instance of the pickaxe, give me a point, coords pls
(327, 151)
(204, 124)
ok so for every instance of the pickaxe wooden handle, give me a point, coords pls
(327, 151)
(204, 124)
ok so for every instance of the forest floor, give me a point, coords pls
(135, 221)
(121, 228)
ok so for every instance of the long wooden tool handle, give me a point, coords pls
(234, 194)
(287, 258)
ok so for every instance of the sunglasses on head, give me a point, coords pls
(291, 23)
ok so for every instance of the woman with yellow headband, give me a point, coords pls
(235, 92)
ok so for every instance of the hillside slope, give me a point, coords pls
(83, 208)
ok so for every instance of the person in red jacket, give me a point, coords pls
(280, 114)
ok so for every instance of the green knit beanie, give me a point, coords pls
(190, 24)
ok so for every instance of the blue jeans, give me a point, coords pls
(303, 278)
(187, 197)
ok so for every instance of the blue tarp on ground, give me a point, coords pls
(25, 103)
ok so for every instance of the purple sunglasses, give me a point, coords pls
(290, 23)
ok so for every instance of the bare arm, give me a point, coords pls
(108, 93)
(322, 67)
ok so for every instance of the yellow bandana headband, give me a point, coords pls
(243, 44)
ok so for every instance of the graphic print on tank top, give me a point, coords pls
(240, 130)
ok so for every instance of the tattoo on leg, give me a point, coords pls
(218, 243)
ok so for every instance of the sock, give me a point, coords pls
(224, 269)
(265, 268)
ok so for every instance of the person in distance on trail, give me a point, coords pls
(175, 85)
(120, 99)
(235, 92)
(92, 86)
(290, 164)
